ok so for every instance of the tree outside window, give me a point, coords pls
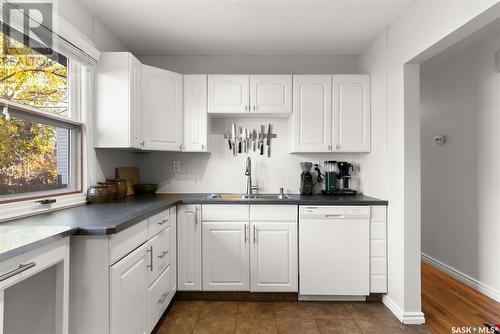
(33, 156)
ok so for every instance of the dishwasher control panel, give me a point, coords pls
(334, 212)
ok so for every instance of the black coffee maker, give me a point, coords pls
(344, 175)
(306, 178)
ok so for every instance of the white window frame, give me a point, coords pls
(28, 204)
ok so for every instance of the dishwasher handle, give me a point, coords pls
(335, 215)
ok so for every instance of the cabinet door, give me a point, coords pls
(312, 113)
(351, 113)
(228, 94)
(225, 256)
(173, 246)
(195, 113)
(162, 109)
(189, 248)
(117, 117)
(274, 257)
(135, 112)
(271, 94)
(129, 281)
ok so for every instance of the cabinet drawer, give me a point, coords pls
(161, 252)
(33, 262)
(159, 296)
(273, 213)
(122, 243)
(222, 213)
(378, 213)
(158, 222)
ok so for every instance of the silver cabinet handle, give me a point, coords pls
(254, 234)
(150, 251)
(162, 255)
(196, 216)
(163, 221)
(254, 107)
(245, 232)
(162, 298)
(18, 270)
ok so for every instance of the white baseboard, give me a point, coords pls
(460, 276)
(407, 318)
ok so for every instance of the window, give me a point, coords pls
(39, 138)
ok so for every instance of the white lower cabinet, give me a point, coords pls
(273, 257)
(124, 282)
(129, 281)
(225, 256)
(250, 248)
(189, 248)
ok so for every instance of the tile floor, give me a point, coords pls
(220, 317)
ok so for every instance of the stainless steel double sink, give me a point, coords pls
(239, 197)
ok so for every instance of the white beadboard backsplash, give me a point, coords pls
(220, 171)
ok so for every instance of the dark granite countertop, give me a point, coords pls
(110, 218)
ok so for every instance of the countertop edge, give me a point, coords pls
(161, 206)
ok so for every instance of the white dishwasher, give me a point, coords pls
(334, 252)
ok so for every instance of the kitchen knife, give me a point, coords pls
(228, 135)
(240, 141)
(245, 142)
(269, 134)
(254, 139)
(233, 138)
(261, 144)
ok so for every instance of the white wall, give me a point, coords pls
(459, 179)
(255, 64)
(80, 18)
(374, 172)
(219, 171)
(101, 163)
(416, 30)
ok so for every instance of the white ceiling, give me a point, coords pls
(245, 27)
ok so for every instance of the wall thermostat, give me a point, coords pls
(440, 140)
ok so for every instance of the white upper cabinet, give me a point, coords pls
(271, 94)
(195, 113)
(228, 94)
(351, 113)
(312, 113)
(118, 101)
(162, 105)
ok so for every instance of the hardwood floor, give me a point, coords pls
(449, 303)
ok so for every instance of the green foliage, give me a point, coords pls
(27, 149)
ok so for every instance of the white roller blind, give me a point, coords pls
(65, 39)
